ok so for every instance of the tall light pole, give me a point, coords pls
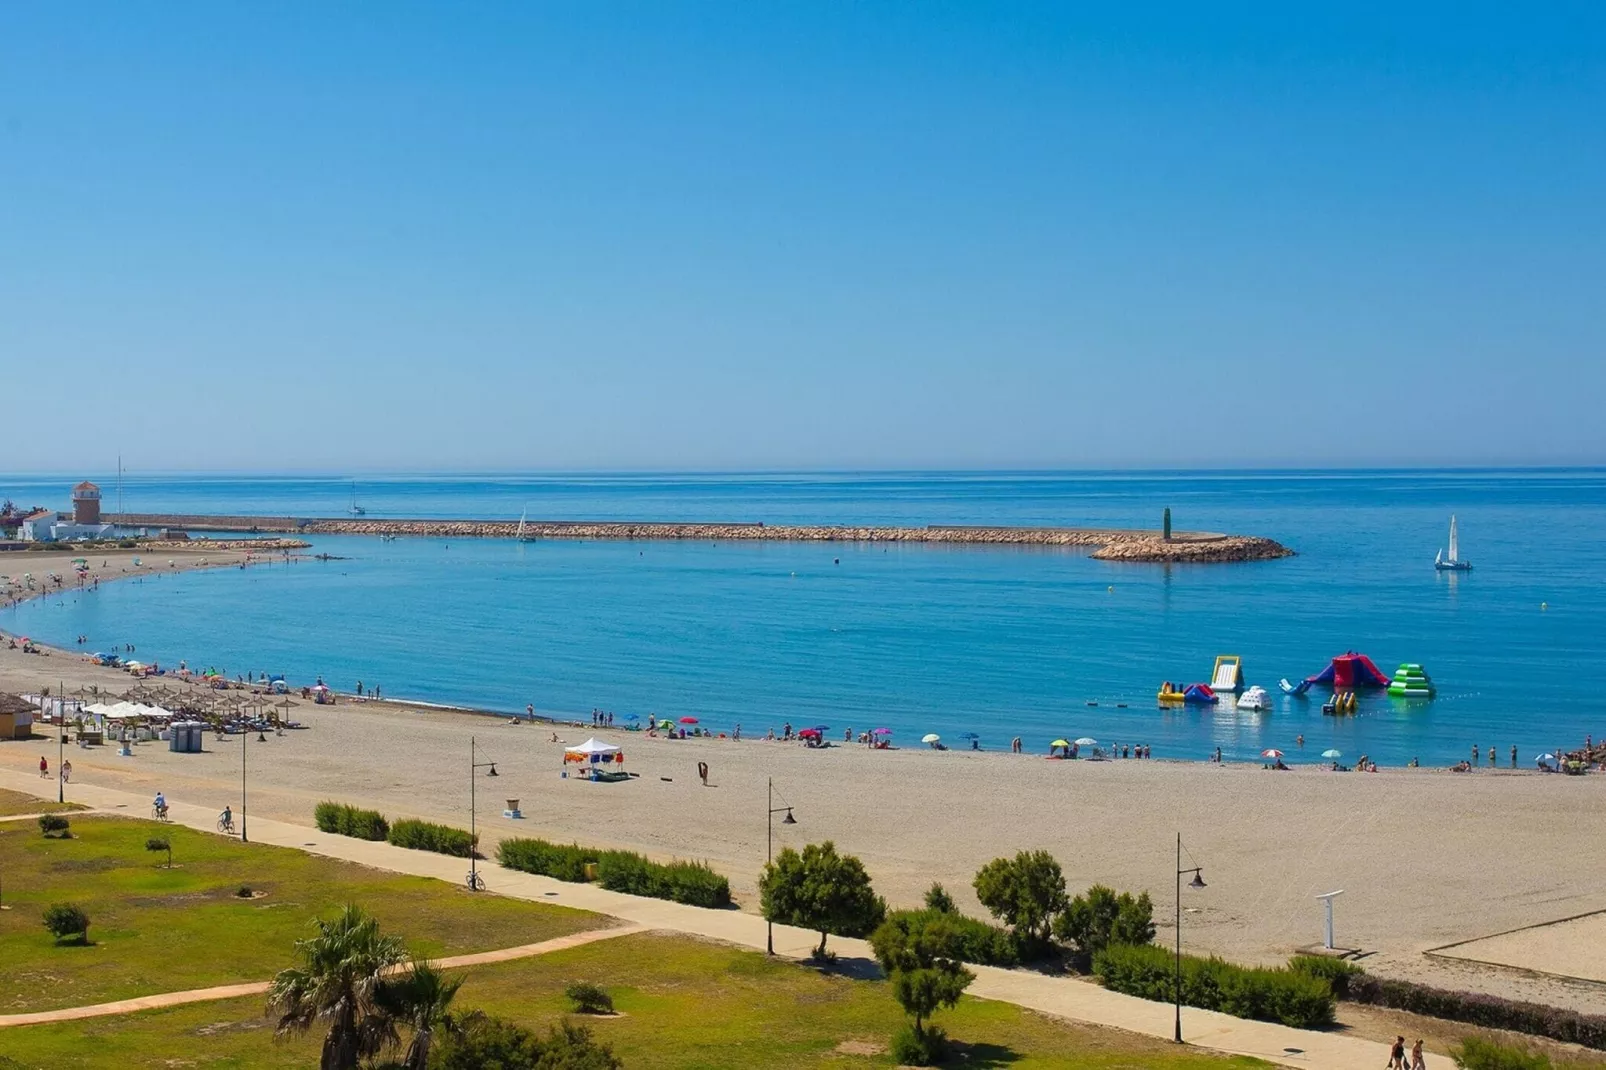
(769, 854)
(245, 745)
(1197, 882)
(473, 833)
(61, 724)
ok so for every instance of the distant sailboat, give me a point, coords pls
(522, 516)
(1452, 562)
(356, 510)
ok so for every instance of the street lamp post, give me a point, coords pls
(244, 746)
(769, 854)
(1197, 882)
(473, 828)
(61, 726)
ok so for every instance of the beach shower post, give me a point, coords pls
(769, 855)
(1327, 900)
(473, 833)
(1197, 882)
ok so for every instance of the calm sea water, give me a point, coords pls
(919, 639)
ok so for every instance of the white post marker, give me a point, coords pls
(1328, 898)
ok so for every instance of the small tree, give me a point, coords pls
(53, 825)
(918, 953)
(158, 844)
(821, 890)
(1025, 892)
(66, 920)
(938, 899)
(1098, 918)
(588, 998)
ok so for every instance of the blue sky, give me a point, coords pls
(588, 235)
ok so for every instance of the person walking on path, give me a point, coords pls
(1417, 1061)
(44, 766)
(1397, 1055)
(66, 770)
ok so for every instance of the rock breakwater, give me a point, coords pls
(1107, 544)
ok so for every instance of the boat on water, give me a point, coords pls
(1255, 698)
(356, 510)
(1452, 562)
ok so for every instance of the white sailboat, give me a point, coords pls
(522, 517)
(1453, 562)
(356, 510)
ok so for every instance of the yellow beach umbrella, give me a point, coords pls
(1059, 743)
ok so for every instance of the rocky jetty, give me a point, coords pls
(1107, 544)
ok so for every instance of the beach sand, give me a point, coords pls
(1425, 857)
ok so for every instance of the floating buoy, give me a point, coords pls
(1110, 589)
(1544, 605)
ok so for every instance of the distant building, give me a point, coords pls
(85, 523)
(86, 503)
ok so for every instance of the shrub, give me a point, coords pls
(66, 920)
(1099, 917)
(428, 836)
(919, 1047)
(486, 1042)
(1026, 893)
(564, 862)
(917, 951)
(343, 820)
(1336, 972)
(1475, 1053)
(158, 844)
(588, 998)
(973, 941)
(244, 891)
(693, 883)
(822, 890)
(1270, 995)
(53, 825)
(1475, 1008)
(938, 899)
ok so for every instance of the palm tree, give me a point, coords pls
(421, 998)
(341, 967)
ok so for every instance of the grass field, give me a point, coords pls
(683, 1003)
(15, 802)
(155, 929)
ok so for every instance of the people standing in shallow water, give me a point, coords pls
(1474, 754)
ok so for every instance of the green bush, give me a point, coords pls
(1099, 917)
(973, 941)
(1475, 1053)
(1336, 972)
(491, 1042)
(1269, 995)
(343, 820)
(692, 883)
(588, 998)
(919, 1047)
(564, 862)
(53, 825)
(428, 836)
(1475, 1008)
(66, 920)
(938, 899)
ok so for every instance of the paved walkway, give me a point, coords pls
(257, 988)
(1060, 996)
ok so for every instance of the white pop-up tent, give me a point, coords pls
(590, 747)
(593, 752)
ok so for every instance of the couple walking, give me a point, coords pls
(1397, 1057)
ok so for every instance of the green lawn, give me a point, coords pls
(15, 802)
(158, 930)
(683, 1003)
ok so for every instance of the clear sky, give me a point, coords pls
(824, 234)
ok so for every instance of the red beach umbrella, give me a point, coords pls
(688, 720)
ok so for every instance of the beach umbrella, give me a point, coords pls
(1059, 743)
(822, 728)
(666, 723)
(1271, 752)
(1547, 757)
(809, 733)
(1087, 741)
(968, 735)
(632, 717)
(881, 731)
(1332, 754)
(688, 720)
(931, 737)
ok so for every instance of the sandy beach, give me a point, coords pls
(1426, 858)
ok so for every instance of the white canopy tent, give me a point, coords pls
(592, 746)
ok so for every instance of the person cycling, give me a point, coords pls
(225, 820)
(160, 805)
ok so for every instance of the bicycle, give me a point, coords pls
(225, 825)
(159, 813)
(476, 883)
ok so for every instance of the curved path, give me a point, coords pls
(1060, 996)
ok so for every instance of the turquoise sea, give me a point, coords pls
(1001, 642)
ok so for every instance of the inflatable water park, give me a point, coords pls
(1345, 674)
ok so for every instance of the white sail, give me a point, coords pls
(522, 516)
(1454, 554)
